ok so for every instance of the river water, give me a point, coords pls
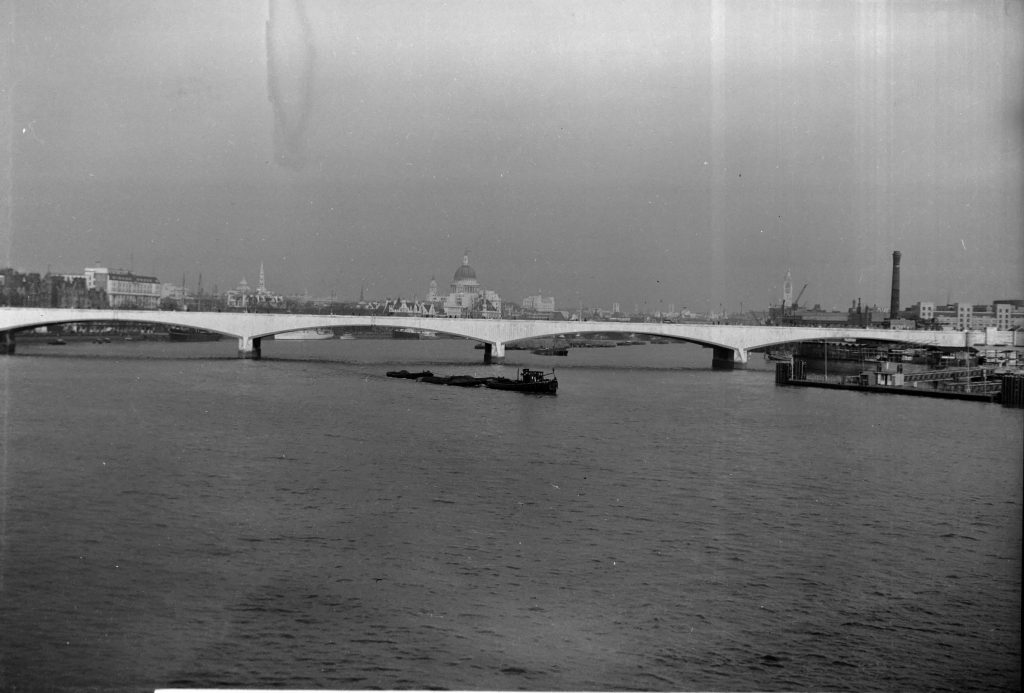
(175, 517)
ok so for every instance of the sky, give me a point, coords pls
(649, 153)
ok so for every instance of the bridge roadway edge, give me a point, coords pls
(731, 344)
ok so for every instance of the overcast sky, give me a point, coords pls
(649, 153)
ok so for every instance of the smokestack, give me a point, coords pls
(894, 304)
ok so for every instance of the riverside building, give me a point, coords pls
(125, 289)
(1002, 315)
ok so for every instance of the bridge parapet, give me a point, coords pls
(990, 336)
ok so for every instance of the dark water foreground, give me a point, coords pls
(306, 522)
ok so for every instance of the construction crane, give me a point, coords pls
(796, 301)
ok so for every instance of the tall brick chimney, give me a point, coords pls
(894, 303)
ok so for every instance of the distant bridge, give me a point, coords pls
(731, 343)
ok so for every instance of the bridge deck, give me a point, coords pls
(731, 343)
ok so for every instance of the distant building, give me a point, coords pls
(539, 304)
(128, 290)
(22, 289)
(124, 288)
(432, 295)
(70, 291)
(1004, 316)
(1001, 315)
(32, 290)
(855, 316)
(923, 311)
(466, 298)
(173, 292)
(91, 273)
(415, 308)
(246, 298)
(511, 311)
(964, 316)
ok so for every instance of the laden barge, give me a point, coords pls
(528, 381)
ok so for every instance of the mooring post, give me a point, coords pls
(249, 348)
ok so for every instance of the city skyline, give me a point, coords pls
(789, 298)
(660, 154)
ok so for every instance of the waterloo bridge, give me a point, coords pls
(731, 344)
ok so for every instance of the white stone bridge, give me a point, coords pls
(731, 343)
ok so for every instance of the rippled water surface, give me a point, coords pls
(173, 516)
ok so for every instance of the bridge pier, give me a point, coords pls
(249, 348)
(494, 353)
(727, 359)
(7, 342)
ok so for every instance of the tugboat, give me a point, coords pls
(528, 381)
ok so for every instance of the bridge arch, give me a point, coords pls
(893, 337)
(109, 319)
(725, 355)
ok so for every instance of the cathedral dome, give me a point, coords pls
(465, 271)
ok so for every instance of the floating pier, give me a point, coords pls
(889, 379)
